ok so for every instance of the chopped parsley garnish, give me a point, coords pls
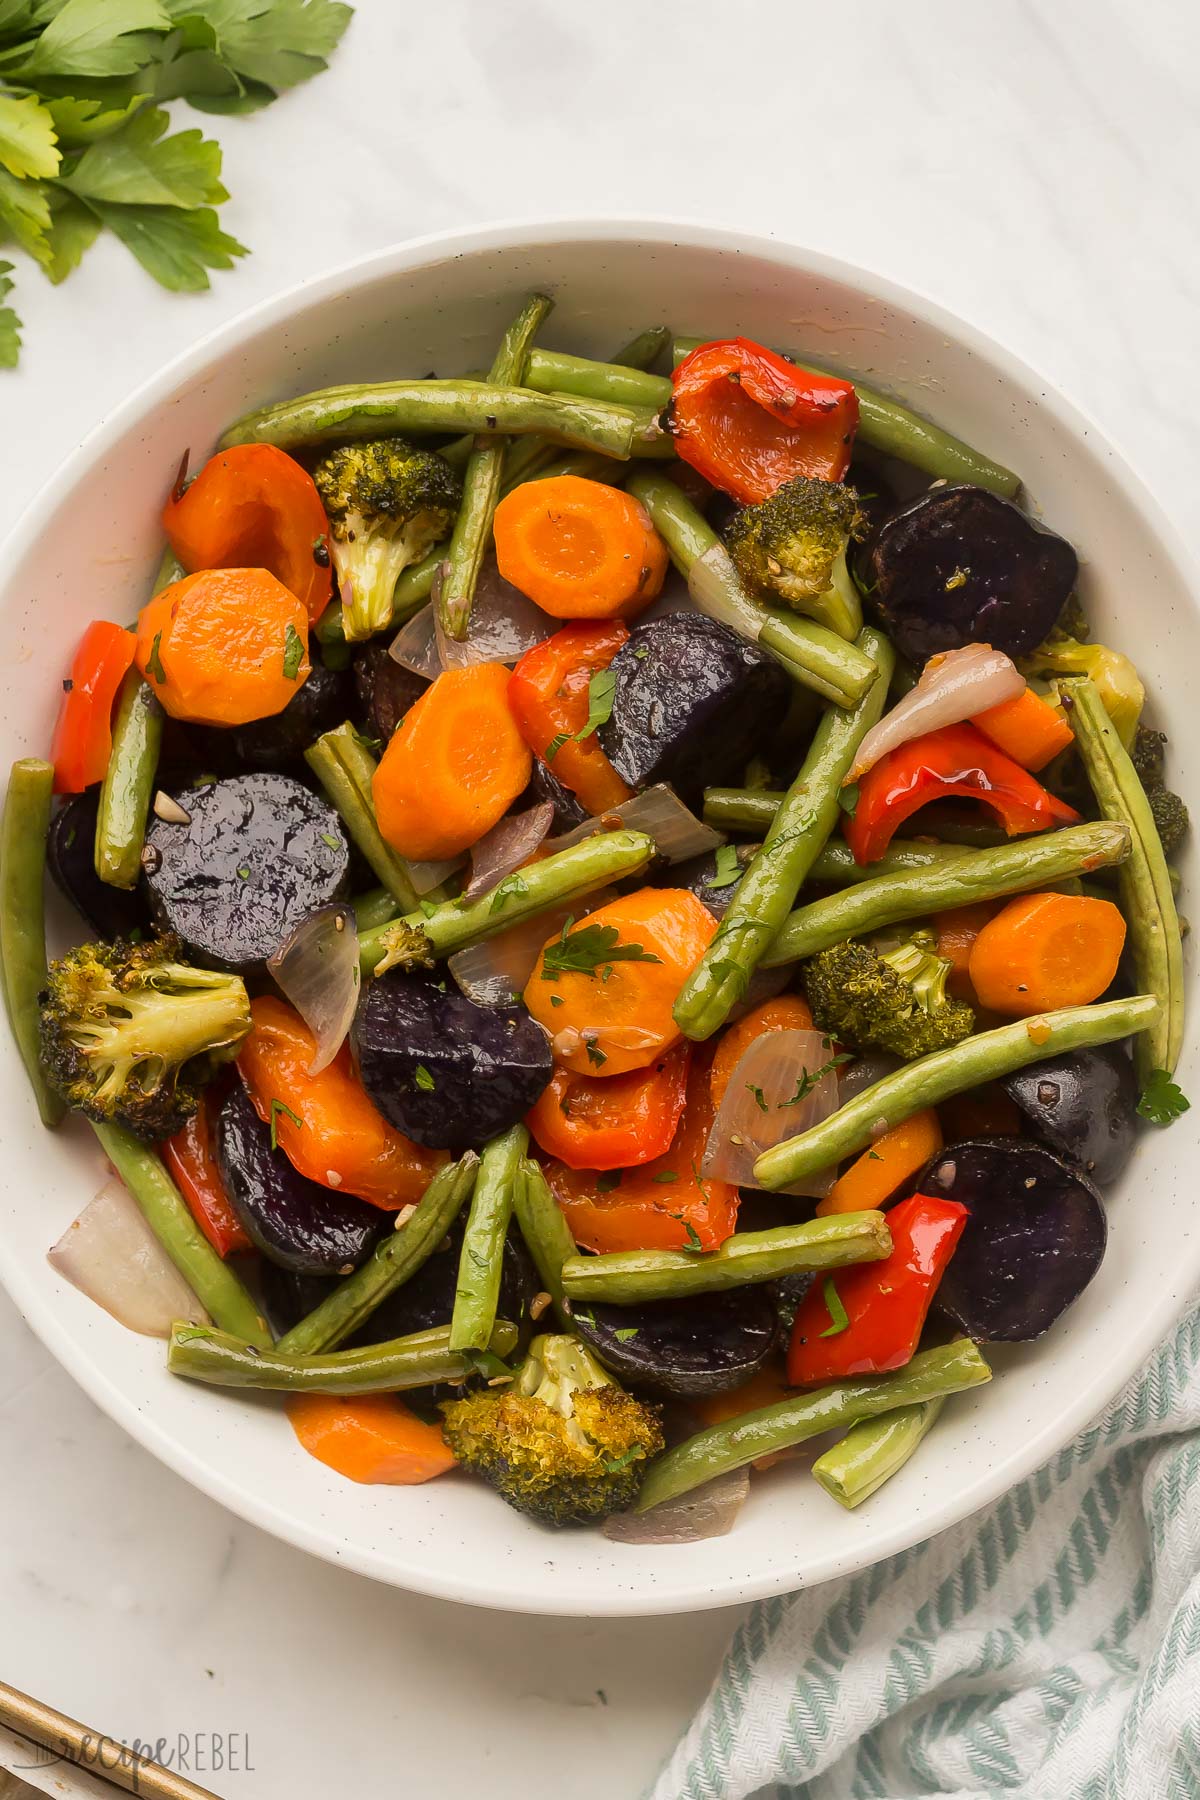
(665, 1175)
(277, 1107)
(596, 1056)
(556, 1000)
(423, 1079)
(808, 1082)
(555, 745)
(327, 837)
(728, 869)
(244, 872)
(641, 653)
(428, 907)
(1162, 1100)
(760, 1099)
(154, 660)
(839, 1317)
(848, 799)
(625, 1333)
(583, 952)
(614, 1464)
(511, 888)
(293, 653)
(601, 689)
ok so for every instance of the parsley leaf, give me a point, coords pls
(10, 325)
(1162, 1100)
(511, 888)
(848, 799)
(27, 137)
(614, 1464)
(244, 52)
(666, 1175)
(277, 1107)
(601, 689)
(625, 1333)
(583, 952)
(138, 166)
(596, 1056)
(293, 653)
(838, 1316)
(728, 869)
(556, 1000)
(174, 246)
(760, 1099)
(327, 837)
(423, 1079)
(25, 215)
(94, 38)
(808, 1082)
(555, 745)
(74, 228)
(154, 660)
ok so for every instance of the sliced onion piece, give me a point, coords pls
(707, 1512)
(110, 1254)
(504, 625)
(317, 968)
(659, 812)
(716, 589)
(953, 686)
(425, 876)
(507, 846)
(415, 645)
(783, 1084)
(494, 972)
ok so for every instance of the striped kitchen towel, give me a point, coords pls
(1047, 1648)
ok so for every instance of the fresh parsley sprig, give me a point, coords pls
(588, 950)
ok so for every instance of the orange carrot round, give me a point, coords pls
(1044, 951)
(453, 766)
(579, 549)
(874, 1176)
(224, 647)
(370, 1438)
(786, 1012)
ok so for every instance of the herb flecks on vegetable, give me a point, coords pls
(277, 1107)
(293, 653)
(728, 868)
(839, 1318)
(424, 1079)
(587, 951)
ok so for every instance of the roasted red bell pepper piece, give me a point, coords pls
(589, 1123)
(254, 507)
(83, 735)
(885, 1302)
(749, 420)
(957, 761)
(191, 1160)
(548, 695)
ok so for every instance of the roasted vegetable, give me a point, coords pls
(682, 1349)
(1117, 680)
(1083, 1105)
(792, 547)
(385, 690)
(71, 859)
(894, 999)
(278, 743)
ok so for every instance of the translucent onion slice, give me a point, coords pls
(504, 625)
(494, 972)
(707, 1512)
(953, 686)
(772, 1095)
(600, 1039)
(317, 969)
(425, 876)
(110, 1254)
(659, 812)
(507, 846)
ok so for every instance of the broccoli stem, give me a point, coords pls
(895, 431)
(554, 372)
(557, 880)
(811, 654)
(797, 833)
(927, 1082)
(545, 1231)
(480, 1264)
(213, 1282)
(948, 1369)
(22, 917)
(345, 767)
(409, 595)
(962, 880)
(455, 588)
(423, 1357)
(630, 1277)
(1147, 897)
(128, 786)
(873, 1451)
(392, 1262)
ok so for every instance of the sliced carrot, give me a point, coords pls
(604, 988)
(786, 1012)
(981, 1112)
(957, 930)
(874, 1176)
(1029, 729)
(453, 766)
(224, 647)
(370, 1438)
(764, 1388)
(1046, 950)
(579, 549)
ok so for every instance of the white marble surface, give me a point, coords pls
(1033, 165)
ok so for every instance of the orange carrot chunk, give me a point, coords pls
(1044, 951)
(1028, 729)
(786, 1012)
(453, 767)
(224, 647)
(957, 929)
(370, 1438)
(874, 1176)
(579, 549)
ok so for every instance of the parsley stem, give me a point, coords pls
(345, 768)
(481, 1261)
(417, 1360)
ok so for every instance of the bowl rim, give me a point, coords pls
(514, 233)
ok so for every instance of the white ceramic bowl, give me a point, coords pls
(86, 549)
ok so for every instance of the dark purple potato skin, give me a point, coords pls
(684, 1349)
(309, 1229)
(1084, 1106)
(1018, 574)
(384, 689)
(288, 1297)
(692, 702)
(1034, 1240)
(427, 1299)
(488, 1064)
(278, 743)
(70, 856)
(544, 785)
(260, 854)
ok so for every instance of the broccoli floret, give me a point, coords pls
(130, 1034)
(792, 547)
(1072, 621)
(565, 1443)
(403, 946)
(1116, 678)
(388, 504)
(891, 999)
(1148, 755)
(1170, 817)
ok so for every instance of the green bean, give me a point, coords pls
(894, 430)
(481, 1260)
(393, 1261)
(213, 1281)
(22, 917)
(630, 1277)
(811, 654)
(558, 880)
(872, 1451)
(455, 590)
(948, 1369)
(988, 1056)
(128, 786)
(582, 463)
(457, 451)
(375, 907)
(529, 457)
(417, 1360)
(1144, 879)
(643, 350)
(344, 767)
(554, 372)
(390, 408)
(964, 880)
(545, 1231)
(797, 834)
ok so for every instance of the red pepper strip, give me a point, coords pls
(614, 1124)
(957, 760)
(83, 736)
(548, 695)
(191, 1160)
(885, 1302)
(749, 420)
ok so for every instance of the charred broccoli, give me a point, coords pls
(564, 1443)
(1148, 755)
(890, 999)
(792, 547)
(388, 503)
(1170, 813)
(130, 1034)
